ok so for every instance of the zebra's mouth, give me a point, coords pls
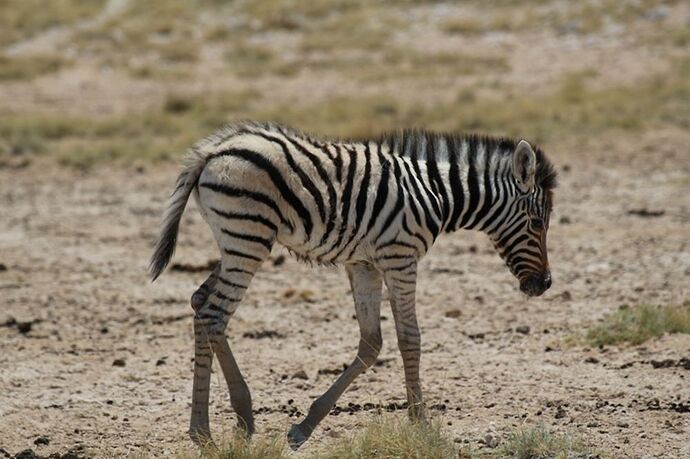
(535, 285)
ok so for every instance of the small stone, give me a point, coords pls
(3, 267)
(453, 313)
(119, 362)
(24, 327)
(593, 424)
(623, 425)
(564, 220)
(591, 360)
(561, 413)
(160, 362)
(301, 374)
(491, 441)
(41, 441)
(523, 329)
(26, 454)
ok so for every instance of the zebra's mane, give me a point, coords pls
(546, 175)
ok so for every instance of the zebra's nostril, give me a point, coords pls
(547, 280)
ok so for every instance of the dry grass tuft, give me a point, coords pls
(387, 437)
(538, 443)
(639, 324)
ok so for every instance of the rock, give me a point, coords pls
(24, 327)
(119, 362)
(524, 329)
(491, 441)
(561, 413)
(26, 454)
(160, 362)
(3, 267)
(301, 374)
(591, 360)
(41, 441)
(453, 313)
(623, 425)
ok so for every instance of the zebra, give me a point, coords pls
(375, 206)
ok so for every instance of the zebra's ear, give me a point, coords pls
(524, 166)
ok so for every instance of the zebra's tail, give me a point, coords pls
(167, 239)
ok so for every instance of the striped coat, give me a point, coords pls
(376, 206)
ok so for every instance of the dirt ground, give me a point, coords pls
(106, 360)
(96, 360)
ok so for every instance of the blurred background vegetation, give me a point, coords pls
(83, 81)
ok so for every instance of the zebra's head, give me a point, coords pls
(521, 237)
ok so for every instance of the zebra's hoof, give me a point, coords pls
(296, 437)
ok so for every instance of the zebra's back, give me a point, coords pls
(328, 202)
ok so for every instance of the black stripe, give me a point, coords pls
(488, 192)
(419, 194)
(395, 242)
(504, 239)
(433, 199)
(399, 201)
(243, 193)
(454, 158)
(435, 177)
(414, 234)
(240, 216)
(267, 243)
(381, 192)
(231, 284)
(278, 180)
(472, 182)
(338, 162)
(238, 270)
(363, 189)
(242, 255)
(347, 195)
(326, 181)
(303, 176)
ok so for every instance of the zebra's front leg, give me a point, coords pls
(401, 285)
(199, 430)
(366, 285)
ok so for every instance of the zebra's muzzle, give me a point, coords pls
(535, 285)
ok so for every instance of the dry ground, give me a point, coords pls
(92, 354)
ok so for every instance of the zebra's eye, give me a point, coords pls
(537, 223)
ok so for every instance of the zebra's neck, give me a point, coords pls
(468, 179)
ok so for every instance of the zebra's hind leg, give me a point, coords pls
(401, 282)
(237, 269)
(203, 356)
(366, 289)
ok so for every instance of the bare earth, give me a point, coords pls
(75, 248)
(95, 357)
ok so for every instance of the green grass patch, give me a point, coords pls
(539, 443)
(639, 324)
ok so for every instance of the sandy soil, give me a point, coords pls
(96, 360)
(105, 359)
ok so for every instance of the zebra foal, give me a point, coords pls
(376, 206)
